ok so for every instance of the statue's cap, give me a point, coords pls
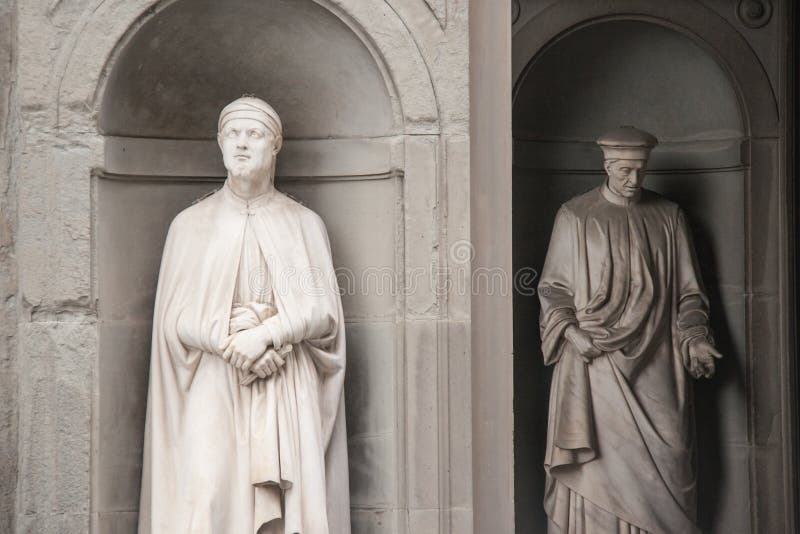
(251, 107)
(627, 142)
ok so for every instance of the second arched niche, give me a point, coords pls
(589, 80)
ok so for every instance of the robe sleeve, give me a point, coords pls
(197, 283)
(317, 317)
(194, 334)
(556, 287)
(692, 317)
(177, 357)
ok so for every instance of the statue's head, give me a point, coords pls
(626, 150)
(250, 135)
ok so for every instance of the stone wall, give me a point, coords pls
(8, 278)
(56, 329)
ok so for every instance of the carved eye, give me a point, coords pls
(232, 133)
(256, 134)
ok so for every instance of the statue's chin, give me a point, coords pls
(244, 174)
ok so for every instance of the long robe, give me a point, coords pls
(619, 456)
(220, 457)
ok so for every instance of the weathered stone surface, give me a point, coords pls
(55, 384)
(423, 426)
(459, 251)
(8, 277)
(421, 203)
(54, 233)
(377, 521)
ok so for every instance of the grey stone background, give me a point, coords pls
(8, 281)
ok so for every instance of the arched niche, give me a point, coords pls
(343, 156)
(583, 70)
(181, 66)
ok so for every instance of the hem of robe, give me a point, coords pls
(571, 513)
(571, 475)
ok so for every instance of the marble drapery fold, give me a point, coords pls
(621, 433)
(221, 457)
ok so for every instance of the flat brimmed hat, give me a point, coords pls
(627, 142)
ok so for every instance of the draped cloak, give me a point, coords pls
(620, 444)
(271, 457)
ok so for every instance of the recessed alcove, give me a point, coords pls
(590, 79)
(165, 84)
(185, 63)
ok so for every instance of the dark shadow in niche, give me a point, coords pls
(533, 219)
(711, 473)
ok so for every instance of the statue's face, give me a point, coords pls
(626, 176)
(248, 148)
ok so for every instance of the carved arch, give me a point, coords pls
(704, 26)
(107, 25)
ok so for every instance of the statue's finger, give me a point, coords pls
(714, 352)
(280, 362)
(259, 370)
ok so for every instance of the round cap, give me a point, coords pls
(627, 142)
(250, 107)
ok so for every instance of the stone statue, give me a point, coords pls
(245, 423)
(624, 318)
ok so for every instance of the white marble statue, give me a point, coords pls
(245, 424)
(625, 322)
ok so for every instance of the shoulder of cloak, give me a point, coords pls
(196, 219)
(583, 203)
(307, 218)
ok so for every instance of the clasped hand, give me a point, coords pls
(583, 343)
(249, 350)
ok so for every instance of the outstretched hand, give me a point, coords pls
(702, 356)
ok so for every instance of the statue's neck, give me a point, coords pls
(250, 187)
(618, 199)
